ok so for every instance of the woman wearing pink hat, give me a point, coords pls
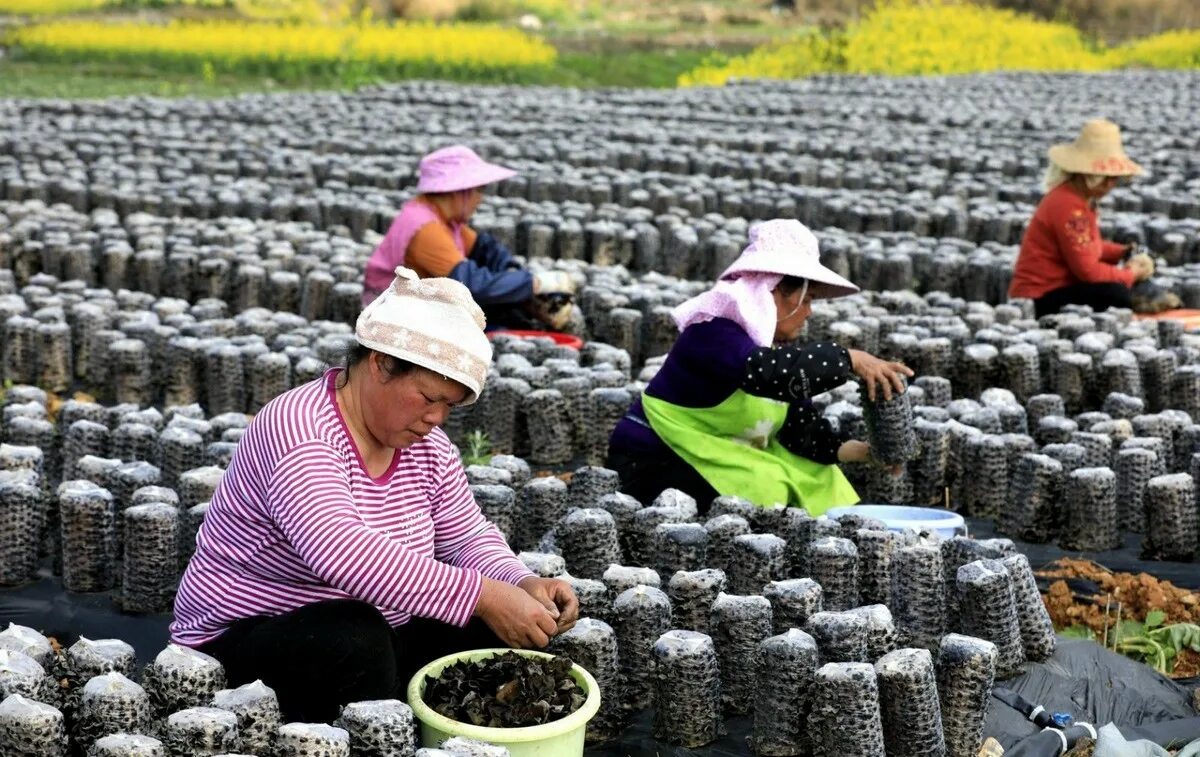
(1063, 259)
(431, 236)
(730, 412)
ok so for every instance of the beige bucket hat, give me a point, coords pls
(433, 323)
(1097, 150)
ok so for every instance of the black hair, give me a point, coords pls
(447, 195)
(789, 285)
(357, 354)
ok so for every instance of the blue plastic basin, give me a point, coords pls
(901, 517)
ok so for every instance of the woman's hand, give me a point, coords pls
(855, 451)
(873, 370)
(516, 616)
(556, 311)
(1142, 266)
(557, 596)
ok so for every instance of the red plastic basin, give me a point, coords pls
(566, 340)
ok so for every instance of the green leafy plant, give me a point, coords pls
(479, 449)
(1150, 641)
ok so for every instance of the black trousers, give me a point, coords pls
(644, 477)
(1097, 296)
(328, 654)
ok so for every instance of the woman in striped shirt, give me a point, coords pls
(343, 549)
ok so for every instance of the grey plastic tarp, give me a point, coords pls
(1097, 686)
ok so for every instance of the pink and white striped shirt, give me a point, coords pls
(297, 519)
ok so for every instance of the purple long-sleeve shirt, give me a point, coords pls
(703, 368)
(297, 519)
(713, 359)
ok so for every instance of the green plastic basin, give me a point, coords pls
(562, 738)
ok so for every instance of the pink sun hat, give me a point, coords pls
(458, 167)
(786, 247)
(742, 293)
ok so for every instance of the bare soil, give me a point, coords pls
(1120, 596)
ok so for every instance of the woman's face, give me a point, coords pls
(791, 311)
(1108, 184)
(399, 411)
(469, 200)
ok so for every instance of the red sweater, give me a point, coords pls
(1062, 246)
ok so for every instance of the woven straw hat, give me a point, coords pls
(1097, 151)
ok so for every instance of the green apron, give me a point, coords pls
(733, 446)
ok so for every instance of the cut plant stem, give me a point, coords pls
(1107, 607)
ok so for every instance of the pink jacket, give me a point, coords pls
(381, 266)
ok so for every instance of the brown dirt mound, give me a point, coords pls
(1133, 595)
(1121, 596)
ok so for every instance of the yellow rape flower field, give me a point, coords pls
(315, 10)
(903, 37)
(292, 42)
(48, 7)
(1177, 49)
(400, 49)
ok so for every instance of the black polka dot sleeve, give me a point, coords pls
(806, 433)
(795, 374)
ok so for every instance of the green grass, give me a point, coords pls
(624, 69)
(26, 78)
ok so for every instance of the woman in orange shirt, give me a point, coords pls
(1063, 260)
(431, 236)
